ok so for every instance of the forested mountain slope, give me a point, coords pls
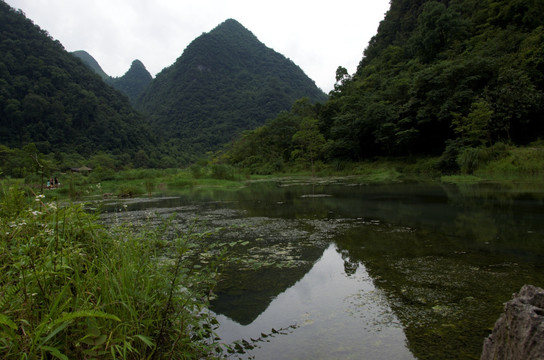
(225, 81)
(49, 97)
(132, 83)
(463, 73)
(439, 78)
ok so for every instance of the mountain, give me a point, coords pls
(226, 81)
(49, 97)
(132, 83)
(442, 77)
(91, 62)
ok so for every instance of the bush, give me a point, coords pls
(223, 172)
(196, 171)
(469, 160)
(128, 190)
(447, 164)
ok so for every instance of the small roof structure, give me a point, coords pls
(81, 169)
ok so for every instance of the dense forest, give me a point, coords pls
(226, 81)
(439, 78)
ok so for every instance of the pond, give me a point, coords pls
(389, 271)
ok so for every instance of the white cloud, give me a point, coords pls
(317, 35)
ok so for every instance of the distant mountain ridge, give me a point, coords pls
(132, 83)
(226, 81)
(91, 62)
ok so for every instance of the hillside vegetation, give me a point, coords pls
(444, 79)
(50, 98)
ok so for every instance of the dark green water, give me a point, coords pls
(397, 271)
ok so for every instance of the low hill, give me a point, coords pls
(226, 81)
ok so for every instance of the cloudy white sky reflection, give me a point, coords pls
(318, 35)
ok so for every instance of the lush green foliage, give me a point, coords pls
(51, 98)
(71, 289)
(225, 82)
(269, 148)
(465, 71)
(450, 78)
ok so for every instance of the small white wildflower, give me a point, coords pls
(98, 186)
(125, 206)
(40, 197)
(52, 206)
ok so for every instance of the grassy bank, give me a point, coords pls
(138, 182)
(71, 289)
(500, 163)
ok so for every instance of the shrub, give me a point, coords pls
(447, 164)
(196, 171)
(468, 160)
(128, 190)
(223, 172)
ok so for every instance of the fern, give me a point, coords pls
(4, 320)
(8, 295)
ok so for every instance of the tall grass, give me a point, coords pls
(71, 289)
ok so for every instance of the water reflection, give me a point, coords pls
(437, 260)
(337, 316)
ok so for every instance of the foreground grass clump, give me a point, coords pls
(71, 289)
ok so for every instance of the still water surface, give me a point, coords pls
(396, 271)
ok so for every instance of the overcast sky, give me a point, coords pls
(318, 35)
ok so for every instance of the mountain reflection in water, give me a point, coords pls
(336, 316)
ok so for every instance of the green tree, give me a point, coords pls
(474, 128)
(309, 142)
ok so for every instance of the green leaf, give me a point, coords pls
(65, 319)
(4, 320)
(146, 340)
(84, 313)
(94, 340)
(55, 352)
